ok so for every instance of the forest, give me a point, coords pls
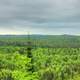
(39, 57)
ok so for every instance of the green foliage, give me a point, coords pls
(47, 63)
(6, 75)
(47, 74)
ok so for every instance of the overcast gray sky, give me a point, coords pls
(40, 16)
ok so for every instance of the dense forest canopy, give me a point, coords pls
(42, 57)
(41, 40)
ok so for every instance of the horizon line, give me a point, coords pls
(38, 34)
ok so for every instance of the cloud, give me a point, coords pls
(36, 15)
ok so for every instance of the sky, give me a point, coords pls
(53, 17)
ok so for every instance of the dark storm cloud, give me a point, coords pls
(39, 14)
